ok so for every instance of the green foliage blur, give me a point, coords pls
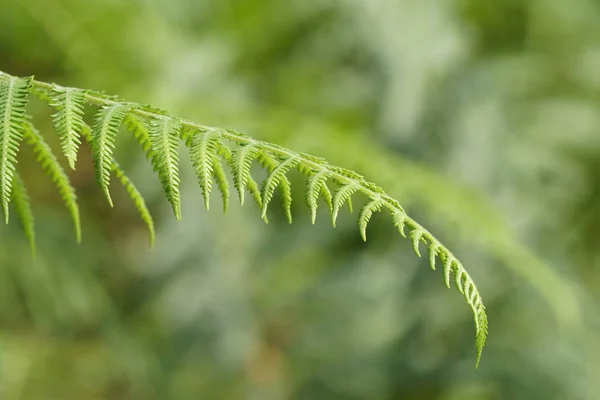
(481, 117)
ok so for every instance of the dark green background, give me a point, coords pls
(481, 117)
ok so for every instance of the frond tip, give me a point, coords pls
(463, 281)
(212, 151)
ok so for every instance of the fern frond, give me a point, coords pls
(241, 162)
(136, 197)
(104, 133)
(464, 284)
(341, 196)
(13, 99)
(68, 120)
(164, 136)
(203, 153)
(416, 235)
(130, 188)
(315, 186)
(251, 184)
(433, 252)
(349, 205)
(22, 204)
(221, 179)
(254, 190)
(208, 146)
(46, 158)
(140, 133)
(286, 198)
(365, 215)
(276, 177)
(400, 219)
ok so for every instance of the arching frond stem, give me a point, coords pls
(165, 132)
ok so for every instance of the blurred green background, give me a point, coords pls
(481, 117)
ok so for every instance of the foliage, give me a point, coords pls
(480, 118)
(207, 145)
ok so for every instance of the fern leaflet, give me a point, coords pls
(416, 235)
(203, 153)
(221, 178)
(140, 132)
(50, 164)
(341, 196)
(13, 99)
(276, 178)
(68, 120)
(104, 133)
(130, 188)
(164, 136)
(315, 185)
(241, 161)
(20, 199)
(365, 216)
(137, 199)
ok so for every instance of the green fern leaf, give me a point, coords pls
(254, 190)
(241, 162)
(270, 163)
(13, 99)
(20, 199)
(187, 133)
(50, 164)
(164, 136)
(460, 283)
(415, 237)
(315, 186)
(466, 286)
(250, 184)
(160, 141)
(326, 193)
(140, 132)
(276, 178)
(365, 215)
(221, 179)
(130, 188)
(481, 327)
(203, 153)
(449, 264)
(68, 120)
(433, 252)
(400, 219)
(107, 122)
(349, 205)
(137, 198)
(341, 196)
(286, 198)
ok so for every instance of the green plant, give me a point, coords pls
(211, 150)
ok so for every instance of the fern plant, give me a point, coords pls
(212, 151)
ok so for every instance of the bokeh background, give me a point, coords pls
(481, 117)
